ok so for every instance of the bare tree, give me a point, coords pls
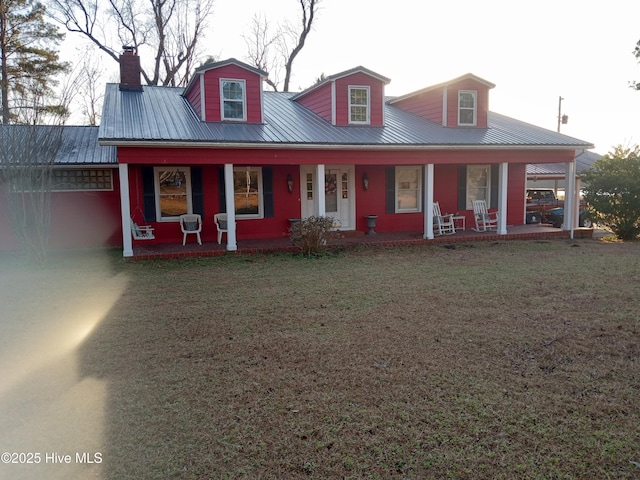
(288, 41)
(170, 28)
(27, 157)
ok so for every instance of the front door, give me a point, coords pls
(339, 201)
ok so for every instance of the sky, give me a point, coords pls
(534, 52)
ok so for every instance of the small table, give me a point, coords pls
(462, 219)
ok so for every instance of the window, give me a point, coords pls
(233, 99)
(359, 105)
(247, 192)
(408, 191)
(66, 179)
(467, 107)
(173, 192)
(478, 184)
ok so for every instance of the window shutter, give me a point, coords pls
(197, 200)
(267, 192)
(462, 187)
(221, 199)
(148, 194)
(495, 185)
(390, 187)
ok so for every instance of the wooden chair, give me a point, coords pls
(444, 223)
(485, 220)
(191, 223)
(141, 232)
(220, 219)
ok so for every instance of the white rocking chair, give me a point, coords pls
(141, 232)
(444, 223)
(485, 220)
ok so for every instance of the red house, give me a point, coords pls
(341, 148)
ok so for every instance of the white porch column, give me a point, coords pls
(125, 210)
(569, 196)
(321, 207)
(428, 202)
(503, 181)
(230, 207)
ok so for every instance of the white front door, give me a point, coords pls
(339, 188)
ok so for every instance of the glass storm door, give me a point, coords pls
(338, 194)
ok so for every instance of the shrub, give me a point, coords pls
(311, 234)
(613, 191)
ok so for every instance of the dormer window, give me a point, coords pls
(233, 99)
(359, 105)
(467, 108)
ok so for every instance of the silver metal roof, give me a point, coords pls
(79, 145)
(584, 160)
(160, 115)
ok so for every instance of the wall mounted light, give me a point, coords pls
(365, 181)
(290, 183)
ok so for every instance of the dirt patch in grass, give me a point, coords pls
(489, 360)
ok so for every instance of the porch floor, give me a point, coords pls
(350, 238)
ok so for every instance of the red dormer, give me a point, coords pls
(354, 97)
(227, 91)
(461, 102)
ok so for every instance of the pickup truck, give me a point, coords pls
(551, 210)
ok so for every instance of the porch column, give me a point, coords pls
(569, 196)
(231, 207)
(321, 207)
(428, 202)
(125, 210)
(503, 181)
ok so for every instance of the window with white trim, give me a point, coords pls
(173, 192)
(247, 192)
(478, 184)
(408, 189)
(467, 107)
(233, 99)
(359, 105)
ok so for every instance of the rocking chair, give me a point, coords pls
(485, 220)
(444, 223)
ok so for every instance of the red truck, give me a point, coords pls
(544, 207)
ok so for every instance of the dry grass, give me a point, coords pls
(491, 360)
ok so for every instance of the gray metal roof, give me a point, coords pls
(160, 115)
(79, 145)
(584, 160)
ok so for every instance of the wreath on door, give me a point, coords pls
(330, 185)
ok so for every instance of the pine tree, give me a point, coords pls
(28, 61)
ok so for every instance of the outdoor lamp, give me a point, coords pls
(365, 181)
(290, 183)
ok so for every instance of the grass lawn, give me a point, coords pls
(494, 360)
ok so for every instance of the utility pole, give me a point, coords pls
(561, 118)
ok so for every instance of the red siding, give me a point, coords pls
(427, 105)
(342, 98)
(193, 97)
(319, 102)
(482, 99)
(212, 92)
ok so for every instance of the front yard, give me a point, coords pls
(495, 360)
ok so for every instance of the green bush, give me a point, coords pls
(311, 234)
(613, 191)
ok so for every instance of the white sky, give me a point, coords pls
(533, 51)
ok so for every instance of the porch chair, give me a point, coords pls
(444, 223)
(485, 220)
(220, 219)
(191, 223)
(141, 232)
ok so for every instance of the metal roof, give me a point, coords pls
(161, 115)
(79, 145)
(584, 160)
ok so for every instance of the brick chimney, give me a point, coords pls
(130, 70)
